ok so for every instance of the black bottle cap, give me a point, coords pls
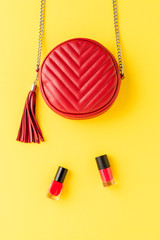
(60, 175)
(102, 162)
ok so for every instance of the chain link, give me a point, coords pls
(116, 26)
(40, 39)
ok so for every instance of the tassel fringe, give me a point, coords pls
(29, 130)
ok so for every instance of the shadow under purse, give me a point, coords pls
(78, 79)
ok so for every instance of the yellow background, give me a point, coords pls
(129, 132)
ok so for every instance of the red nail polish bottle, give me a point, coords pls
(105, 170)
(56, 186)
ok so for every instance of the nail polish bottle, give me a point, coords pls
(56, 186)
(105, 170)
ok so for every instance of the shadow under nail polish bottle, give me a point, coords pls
(105, 170)
(56, 186)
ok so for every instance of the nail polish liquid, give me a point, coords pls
(105, 170)
(56, 186)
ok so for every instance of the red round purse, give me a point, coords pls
(78, 79)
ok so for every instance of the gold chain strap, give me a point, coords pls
(116, 26)
(40, 39)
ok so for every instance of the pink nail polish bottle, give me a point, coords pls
(105, 170)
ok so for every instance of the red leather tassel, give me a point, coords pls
(29, 130)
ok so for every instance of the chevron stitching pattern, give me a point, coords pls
(78, 77)
(54, 90)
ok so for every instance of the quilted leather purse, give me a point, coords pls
(78, 79)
